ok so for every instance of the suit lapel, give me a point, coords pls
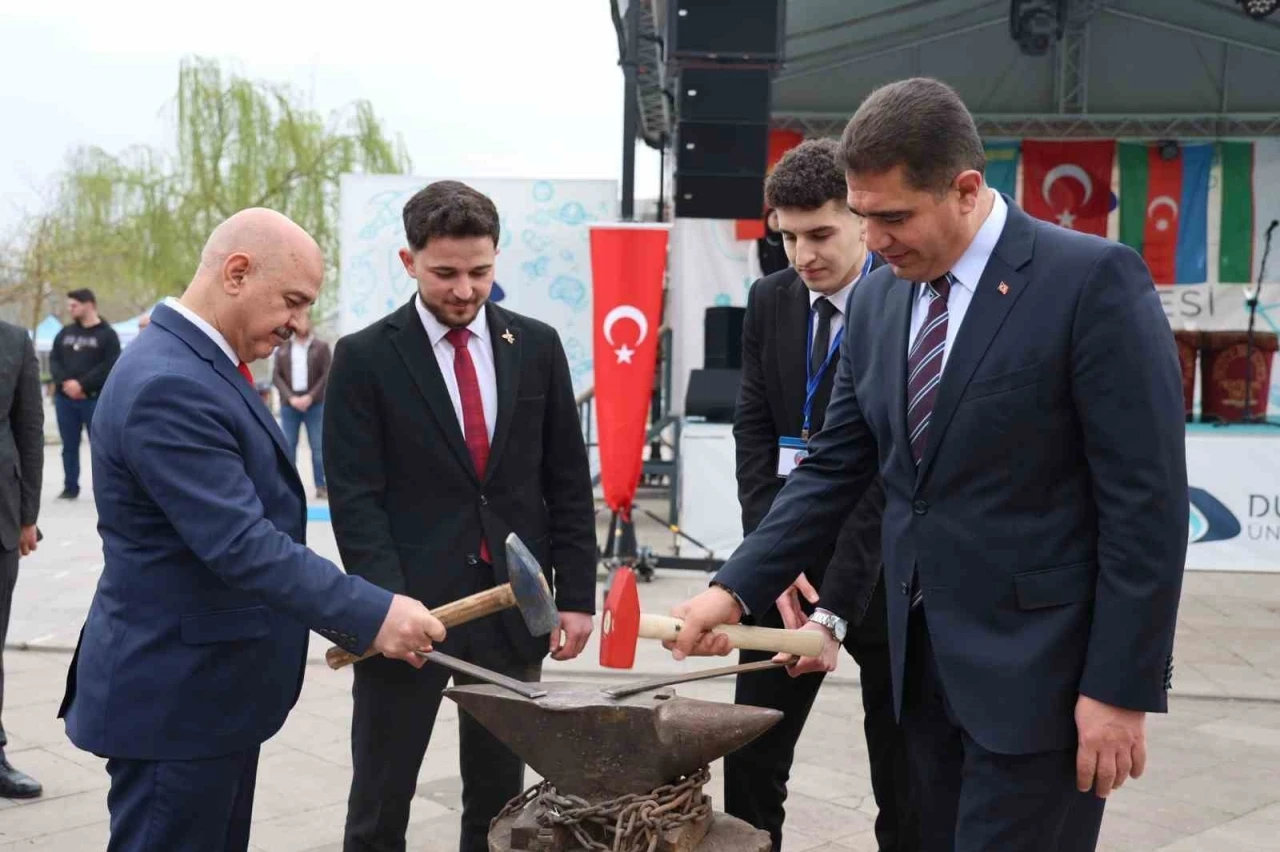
(898, 329)
(411, 341)
(792, 318)
(506, 339)
(998, 290)
(178, 325)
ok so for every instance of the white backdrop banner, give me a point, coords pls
(544, 260)
(1235, 499)
(708, 268)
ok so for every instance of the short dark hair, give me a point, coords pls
(920, 124)
(84, 294)
(807, 176)
(449, 208)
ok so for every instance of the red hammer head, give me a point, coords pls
(620, 624)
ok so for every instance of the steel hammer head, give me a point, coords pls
(620, 624)
(529, 587)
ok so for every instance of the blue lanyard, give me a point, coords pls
(812, 380)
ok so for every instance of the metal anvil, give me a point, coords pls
(589, 744)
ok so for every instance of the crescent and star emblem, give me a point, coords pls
(1067, 218)
(1162, 223)
(622, 312)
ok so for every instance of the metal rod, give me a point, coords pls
(657, 683)
(1178, 28)
(853, 60)
(630, 110)
(519, 687)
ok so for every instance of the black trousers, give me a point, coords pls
(392, 720)
(974, 800)
(756, 775)
(8, 579)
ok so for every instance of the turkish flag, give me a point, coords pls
(627, 264)
(1069, 183)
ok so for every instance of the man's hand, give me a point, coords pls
(793, 616)
(301, 402)
(576, 630)
(710, 609)
(27, 540)
(408, 628)
(72, 389)
(824, 662)
(1112, 746)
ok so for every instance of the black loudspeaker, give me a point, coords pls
(722, 150)
(712, 197)
(712, 394)
(724, 94)
(722, 338)
(725, 29)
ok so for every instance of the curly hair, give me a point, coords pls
(449, 208)
(807, 176)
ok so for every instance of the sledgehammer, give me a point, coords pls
(527, 590)
(623, 624)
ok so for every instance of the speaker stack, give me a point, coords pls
(725, 53)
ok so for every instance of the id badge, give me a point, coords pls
(791, 451)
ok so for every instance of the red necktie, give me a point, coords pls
(244, 371)
(473, 426)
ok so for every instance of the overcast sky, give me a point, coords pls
(483, 88)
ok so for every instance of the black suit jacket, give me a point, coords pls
(1048, 517)
(408, 509)
(21, 434)
(771, 406)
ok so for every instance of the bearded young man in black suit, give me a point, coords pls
(790, 342)
(449, 424)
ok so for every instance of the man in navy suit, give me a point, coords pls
(194, 647)
(1017, 387)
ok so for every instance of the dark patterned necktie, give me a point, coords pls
(822, 336)
(924, 366)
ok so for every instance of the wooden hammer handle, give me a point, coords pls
(801, 643)
(451, 614)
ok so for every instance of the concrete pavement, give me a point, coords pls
(1213, 782)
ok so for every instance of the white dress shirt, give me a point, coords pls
(965, 274)
(211, 332)
(298, 364)
(481, 349)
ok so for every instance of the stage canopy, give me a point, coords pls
(1127, 69)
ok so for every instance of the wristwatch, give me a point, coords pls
(837, 625)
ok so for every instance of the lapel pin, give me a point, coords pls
(1003, 288)
(508, 336)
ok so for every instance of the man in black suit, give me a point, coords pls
(1017, 386)
(790, 341)
(22, 452)
(449, 424)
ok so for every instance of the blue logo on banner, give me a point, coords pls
(1210, 520)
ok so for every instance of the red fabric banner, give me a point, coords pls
(1069, 183)
(627, 264)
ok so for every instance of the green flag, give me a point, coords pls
(1235, 253)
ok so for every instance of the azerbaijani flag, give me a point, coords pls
(1164, 209)
(1250, 203)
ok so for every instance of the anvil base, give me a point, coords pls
(727, 834)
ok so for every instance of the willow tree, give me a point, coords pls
(252, 144)
(131, 225)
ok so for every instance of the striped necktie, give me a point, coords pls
(924, 366)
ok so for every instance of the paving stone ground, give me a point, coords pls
(1213, 781)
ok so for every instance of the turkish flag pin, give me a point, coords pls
(1003, 288)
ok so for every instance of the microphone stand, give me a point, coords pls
(1251, 299)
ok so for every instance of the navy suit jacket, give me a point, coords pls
(1048, 516)
(196, 639)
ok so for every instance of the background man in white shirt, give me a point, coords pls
(300, 375)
